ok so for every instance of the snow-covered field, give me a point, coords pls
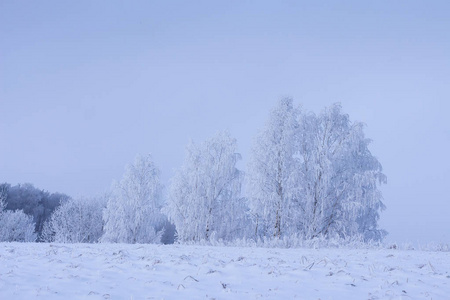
(118, 271)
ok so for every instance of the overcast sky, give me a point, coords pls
(86, 85)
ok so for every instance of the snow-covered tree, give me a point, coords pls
(313, 175)
(32, 201)
(15, 226)
(133, 211)
(339, 177)
(204, 198)
(3, 195)
(77, 220)
(273, 173)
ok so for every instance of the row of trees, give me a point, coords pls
(309, 176)
(130, 213)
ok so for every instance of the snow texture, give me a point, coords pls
(121, 271)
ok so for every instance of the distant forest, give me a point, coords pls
(34, 202)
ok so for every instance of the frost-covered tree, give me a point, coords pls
(313, 175)
(15, 226)
(205, 194)
(339, 177)
(77, 220)
(3, 195)
(273, 173)
(133, 210)
(32, 201)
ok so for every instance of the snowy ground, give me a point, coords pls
(117, 271)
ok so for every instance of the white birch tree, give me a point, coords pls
(273, 183)
(15, 226)
(313, 175)
(77, 220)
(204, 198)
(133, 211)
(340, 177)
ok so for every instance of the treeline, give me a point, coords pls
(24, 205)
(310, 176)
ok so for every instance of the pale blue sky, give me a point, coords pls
(86, 85)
